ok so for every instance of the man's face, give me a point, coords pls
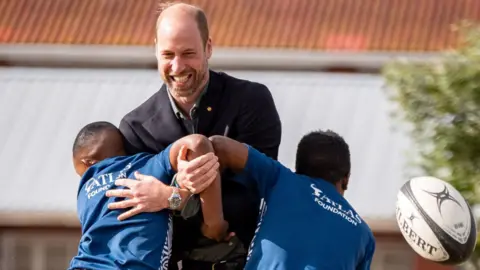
(182, 57)
(106, 144)
(81, 164)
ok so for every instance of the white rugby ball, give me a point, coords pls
(436, 221)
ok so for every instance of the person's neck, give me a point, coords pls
(185, 104)
(338, 186)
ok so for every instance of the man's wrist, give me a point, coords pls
(174, 181)
(173, 198)
(216, 231)
(183, 193)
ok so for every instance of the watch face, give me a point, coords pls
(175, 200)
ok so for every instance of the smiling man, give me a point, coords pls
(183, 57)
(195, 99)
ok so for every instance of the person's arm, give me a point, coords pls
(214, 225)
(367, 260)
(143, 184)
(151, 194)
(241, 157)
(258, 123)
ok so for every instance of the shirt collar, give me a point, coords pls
(178, 113)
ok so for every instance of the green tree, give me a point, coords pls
(441, 100)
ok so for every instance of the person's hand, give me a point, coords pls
(146, 194)
(196, 175)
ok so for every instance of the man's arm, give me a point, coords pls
(258, 123)
(151, 195)
(367, 260)
(240, 157)
(214, 226)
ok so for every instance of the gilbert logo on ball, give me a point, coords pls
(436, 220)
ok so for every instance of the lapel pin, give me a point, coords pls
(209, 109)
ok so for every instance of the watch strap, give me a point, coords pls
(191, 206)
(174, 182)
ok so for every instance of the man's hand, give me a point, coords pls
(196, 175)
(146, 194)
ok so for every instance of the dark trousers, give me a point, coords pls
(229, 255)
(196, 265)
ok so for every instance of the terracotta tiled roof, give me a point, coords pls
(414, 25)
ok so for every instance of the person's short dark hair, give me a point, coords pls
(89, 133)
(323, 154)
(200, 18)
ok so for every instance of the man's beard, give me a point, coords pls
(188, 90)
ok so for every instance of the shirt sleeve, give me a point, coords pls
(367, 260)
(163, 160)
(263, 170)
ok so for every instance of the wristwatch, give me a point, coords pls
(175, 199)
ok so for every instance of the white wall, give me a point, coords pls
(41, 110)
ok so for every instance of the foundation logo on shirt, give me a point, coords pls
(263, 209)
(167, 246)
(104, 182)
(334, 207)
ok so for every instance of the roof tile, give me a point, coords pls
(374, 25)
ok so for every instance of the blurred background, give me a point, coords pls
(328, 64)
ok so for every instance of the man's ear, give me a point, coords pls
(208, 48)
(344, 186)
(345, 182)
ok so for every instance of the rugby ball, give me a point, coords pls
(436, 221)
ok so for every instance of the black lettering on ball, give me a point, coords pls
(419, 241)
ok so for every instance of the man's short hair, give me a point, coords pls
(200, 18)
(89, 134)
(323, 154)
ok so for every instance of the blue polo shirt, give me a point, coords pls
(140, 242)
(304, 222)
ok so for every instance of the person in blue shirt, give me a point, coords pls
(305, 221)
(142, 241)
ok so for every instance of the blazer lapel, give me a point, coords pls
(163, 126)
(209, 104)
